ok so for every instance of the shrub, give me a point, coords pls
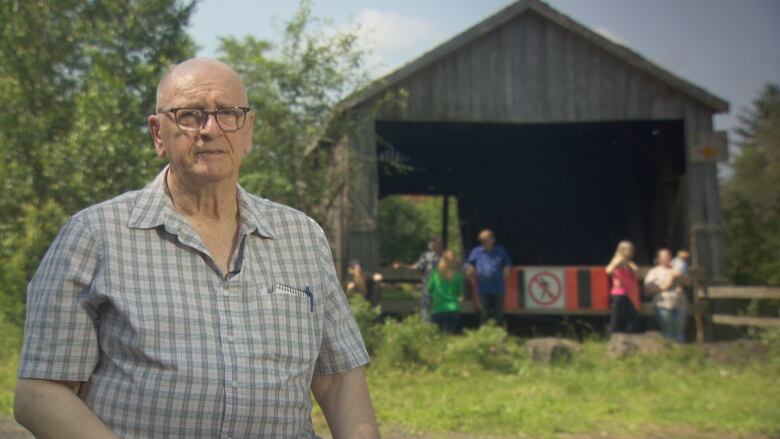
(488, 348)
(771, 338)
(367, 318)
(410, 342)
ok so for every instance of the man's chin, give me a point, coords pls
(209, 174)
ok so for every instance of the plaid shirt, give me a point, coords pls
(128, 300)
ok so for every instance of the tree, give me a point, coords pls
(295, 88)
(404, 230)
(751, 197)
(407, 223)
(77, 81)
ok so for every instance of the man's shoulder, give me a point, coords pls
(114, 209)
(280, 216)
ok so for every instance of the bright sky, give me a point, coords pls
(729, 47)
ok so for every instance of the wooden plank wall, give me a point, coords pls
(532, 70)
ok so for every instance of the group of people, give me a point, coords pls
(444, 277)
(443, 285)
(666, 282)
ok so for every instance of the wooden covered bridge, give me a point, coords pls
(562, 141)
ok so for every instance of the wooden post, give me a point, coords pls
(445, 220)
(701, 312)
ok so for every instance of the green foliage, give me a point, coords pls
(403, 230)
(294, 88)
(409, 344)
(771, 339)
(10, 345)
(406, 224)
(487, 348)
(77, 82)
(751, 198)
(367, 317)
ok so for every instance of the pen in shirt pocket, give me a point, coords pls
(308, 292)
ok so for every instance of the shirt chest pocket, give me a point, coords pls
(286, 335)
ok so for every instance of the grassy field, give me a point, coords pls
(425, 384)
(592, 394)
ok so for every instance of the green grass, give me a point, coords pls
(592, 394)
(9, 358)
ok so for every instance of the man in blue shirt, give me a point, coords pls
(492, 264)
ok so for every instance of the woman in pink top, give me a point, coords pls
(624, 291)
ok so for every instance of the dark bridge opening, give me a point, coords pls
(555, 194)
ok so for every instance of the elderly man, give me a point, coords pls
(191, 308)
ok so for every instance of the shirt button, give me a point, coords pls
(226, 292)
(234, 384)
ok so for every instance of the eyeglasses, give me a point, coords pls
(193, 119)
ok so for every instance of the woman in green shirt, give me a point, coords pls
(445, 286)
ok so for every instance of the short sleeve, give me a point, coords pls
(472, 259)
(507, 258)
(60, 339)
(342, 346)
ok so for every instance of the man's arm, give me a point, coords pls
(346, 403)
(51, 409)
(507, 263)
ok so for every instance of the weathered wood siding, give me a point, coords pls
(532, 70)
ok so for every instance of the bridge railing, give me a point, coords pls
(733, 292)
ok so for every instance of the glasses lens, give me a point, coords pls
(231, 119)
(189, 118)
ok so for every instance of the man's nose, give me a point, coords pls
(210, 126)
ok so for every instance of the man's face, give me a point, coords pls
(664, 257)
(489, 242)
(208, 154)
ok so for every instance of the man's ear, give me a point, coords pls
(154, 131)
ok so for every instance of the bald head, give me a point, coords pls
(186, 73)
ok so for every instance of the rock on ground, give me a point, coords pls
(622, 345)
(551, 349)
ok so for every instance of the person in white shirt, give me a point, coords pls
(671, 306)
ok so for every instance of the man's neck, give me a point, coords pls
(212, 201)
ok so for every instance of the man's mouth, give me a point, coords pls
(209, 153)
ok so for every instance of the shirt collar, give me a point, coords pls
(153, 208)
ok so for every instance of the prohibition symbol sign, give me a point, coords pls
(545, 288)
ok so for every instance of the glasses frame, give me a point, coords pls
(206, 116)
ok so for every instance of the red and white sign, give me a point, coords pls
(545, 288)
